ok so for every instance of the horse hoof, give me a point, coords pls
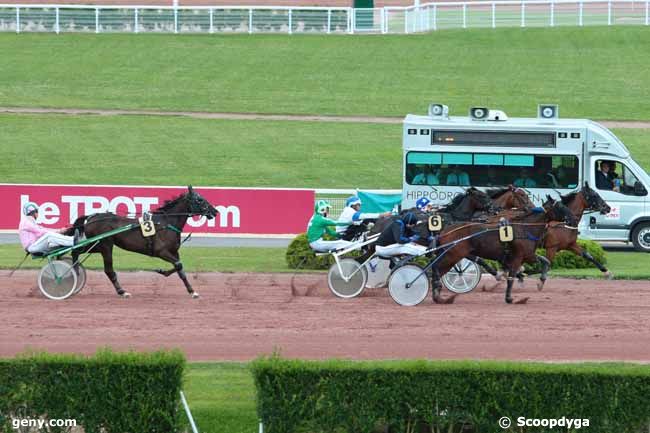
(125, 295)
(159, 271)
(451, 299)
(195, 295)
(499, 276)
(609, 275)
(522, 301)
(540, 285)
(508, 300)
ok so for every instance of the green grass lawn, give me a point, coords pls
(624, 265)
(592, 72)
(178, 151)
(221, 397)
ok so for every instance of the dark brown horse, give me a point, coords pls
(564, 237)
(168, 220)
(482, 239)
(510, 197)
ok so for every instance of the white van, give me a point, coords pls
(545, 155)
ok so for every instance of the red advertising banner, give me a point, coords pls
(241, 210)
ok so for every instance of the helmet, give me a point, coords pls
(409, 218)
(422, 203)
(29, 208)
(351, 201)
(322, 206)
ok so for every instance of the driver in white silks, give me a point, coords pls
(37, 239)
(399, 239)
(355, 221)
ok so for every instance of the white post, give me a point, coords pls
(211, 20)
(553, 14)
(435, 17)
(523, 14)
(494, 15)
(580, 15)
(382, 14)
(609, 13)
(428, 18)
(647, 16)
(417, 24)
(406, 21)
(17, 19)
(56, 23)
(329, 21)
(261, 428)
(353, 20)
(464, 15)
(290, 21)
(135, 15)
(96, 20)
(349, 21)
(250, 22)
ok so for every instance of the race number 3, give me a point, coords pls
(147, 227)
(435, 223)
(506, 234)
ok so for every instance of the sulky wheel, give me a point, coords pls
(347, 278)
(408, 285)
(57, 280)
(81, 275)
(463, 277)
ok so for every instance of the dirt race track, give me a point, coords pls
(241, 316)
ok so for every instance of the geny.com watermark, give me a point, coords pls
(40, 424)
(569, 423)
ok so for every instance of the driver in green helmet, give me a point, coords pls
(319, 224)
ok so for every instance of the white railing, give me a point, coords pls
(243, 19)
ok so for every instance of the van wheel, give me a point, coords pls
(641, 237)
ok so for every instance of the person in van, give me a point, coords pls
(603, 177)
(491, 178)
(524, 180)
(458, 177)
(426, 177)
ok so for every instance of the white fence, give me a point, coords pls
(239, 19)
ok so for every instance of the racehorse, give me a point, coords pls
(510, 197)
(168, 220)
(562, 237)
(483, 240)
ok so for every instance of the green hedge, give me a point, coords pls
(299, 255)
(447, 396)
(108, 392)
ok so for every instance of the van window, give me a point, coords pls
(616, 176)
(491, 169)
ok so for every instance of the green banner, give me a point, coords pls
(377, 203)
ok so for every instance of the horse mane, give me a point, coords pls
(566, 199)
(455, 202)
(497, 192)
(169, 204)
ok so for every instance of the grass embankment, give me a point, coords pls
(591, 72)
(177, 151)
(624, 265)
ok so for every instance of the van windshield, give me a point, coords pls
(491, 169)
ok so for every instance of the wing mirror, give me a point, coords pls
(639, 189)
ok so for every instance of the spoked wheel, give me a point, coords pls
(408, 285)
(81, 275)
(463, 277)
(349, 280)
(57, 280)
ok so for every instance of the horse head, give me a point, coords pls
(594, 201)
(199, 205)
(557, 211)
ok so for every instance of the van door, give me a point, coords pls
(618, 185)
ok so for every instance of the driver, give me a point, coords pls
(319, 224)
(398, 238)
(37, 239)
(355, 221)
(424, 205)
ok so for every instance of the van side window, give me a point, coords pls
(491, 170)
(615, 176)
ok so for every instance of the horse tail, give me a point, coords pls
(77, 225)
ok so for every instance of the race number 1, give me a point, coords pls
(435, 223)
(147, 227)
(506, 234)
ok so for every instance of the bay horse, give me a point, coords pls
(510, 197)
(528, 226)
(169, 221)
(562, 237)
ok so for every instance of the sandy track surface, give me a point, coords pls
(259, 116)
(241, 316)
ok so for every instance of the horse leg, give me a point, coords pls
(107, 255)
(436, 286)
(546, 264)
(178, 267)
(577, 249)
